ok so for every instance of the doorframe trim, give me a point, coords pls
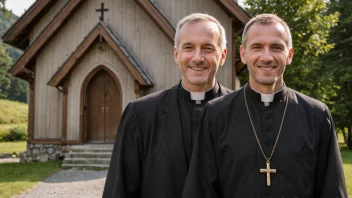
(83, 113)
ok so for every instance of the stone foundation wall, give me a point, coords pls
(44, 152)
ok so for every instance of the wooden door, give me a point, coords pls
(112, 108)
(103, 108)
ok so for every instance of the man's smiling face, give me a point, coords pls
(266, 54)
(198, 54)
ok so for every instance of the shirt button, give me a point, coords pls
(267, 117)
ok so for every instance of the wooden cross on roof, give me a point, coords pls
(102, 10)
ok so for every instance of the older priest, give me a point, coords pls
(266, 140)
(154, 141)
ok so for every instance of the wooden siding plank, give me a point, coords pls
(72, 60)
(31, 110)
(158, 18)
(46, 18)
(135, 73)
(64, 111)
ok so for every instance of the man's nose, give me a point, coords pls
(198, 56)
(266, 55)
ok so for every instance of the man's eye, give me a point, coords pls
(208, 49)
(256, 47)
(277, 48)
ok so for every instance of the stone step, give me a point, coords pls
(88, 155)
(88, 148)
(109, 146)
(87, 161)
(105, 166)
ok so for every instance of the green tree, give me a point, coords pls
(10, 88)
(338, 62)
(2, 3)
(310, 25)
(18, 90)
(3, 8)
(5, 62)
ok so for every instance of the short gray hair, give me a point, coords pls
(267, 19)
(201, 17)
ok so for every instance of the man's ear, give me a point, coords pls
(291, 51)
(242, 53)
(223, 57)
(175, 55)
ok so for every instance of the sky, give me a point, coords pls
(18, 7)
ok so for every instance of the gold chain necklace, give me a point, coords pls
(267, 170)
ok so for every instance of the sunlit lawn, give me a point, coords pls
(12, 147)
(4, 128)
(17, 177)
(13, 112)
(347, 165)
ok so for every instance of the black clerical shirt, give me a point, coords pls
(226, 159)
(190, 113)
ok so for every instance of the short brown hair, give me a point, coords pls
(267, 19)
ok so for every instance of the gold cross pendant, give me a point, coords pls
(268, 171)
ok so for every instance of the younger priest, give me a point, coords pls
(266, 140)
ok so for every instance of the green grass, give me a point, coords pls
(12, 147)
(17, 177)
(347, 162)
(5, 128)
(13, 112)
(347, 166)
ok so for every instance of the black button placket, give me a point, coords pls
(268, 139)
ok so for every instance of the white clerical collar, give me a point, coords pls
(197, 96)
(268, 98)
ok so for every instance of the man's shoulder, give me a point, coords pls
(306, 101)
(154, 99)
(229, 99)
(225, 90)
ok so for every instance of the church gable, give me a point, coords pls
(104, 33)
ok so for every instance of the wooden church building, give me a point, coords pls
(85, 60)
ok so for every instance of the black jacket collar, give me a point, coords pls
(209, 95)
(257, 97)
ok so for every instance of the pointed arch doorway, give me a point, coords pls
(102, 105)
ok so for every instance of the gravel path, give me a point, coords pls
(9, 160)
(69, 184)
